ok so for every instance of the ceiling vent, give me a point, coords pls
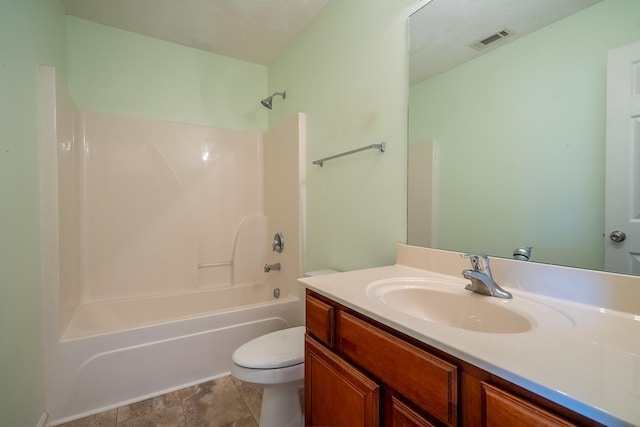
(479, 45)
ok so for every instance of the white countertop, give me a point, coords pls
(583, 357)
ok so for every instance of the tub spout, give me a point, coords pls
(269, 267)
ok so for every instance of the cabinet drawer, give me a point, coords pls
(505, 409)
(426, 380)
(320, 320)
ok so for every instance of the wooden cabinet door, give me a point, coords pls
(337, 394)
(503, 409)
(403, 416)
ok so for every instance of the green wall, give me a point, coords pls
(348, 73)
(32, 32)
(520, 138)
(116, 71)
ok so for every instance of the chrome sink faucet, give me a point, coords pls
(481, 279)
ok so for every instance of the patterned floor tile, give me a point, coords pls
(214, 404)
(243, 422)
(165, 417)
(252, 396)
(224, 402)
(149, 406)
(103, 419)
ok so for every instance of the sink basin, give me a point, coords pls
(448, 303)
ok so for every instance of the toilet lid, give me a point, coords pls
(278, 349)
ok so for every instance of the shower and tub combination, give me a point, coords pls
(155, 239)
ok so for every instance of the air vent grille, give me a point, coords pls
(481, 44)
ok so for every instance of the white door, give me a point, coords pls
(622, 191)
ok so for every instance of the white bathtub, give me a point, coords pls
(124, 351)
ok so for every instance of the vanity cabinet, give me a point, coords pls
(359, 372)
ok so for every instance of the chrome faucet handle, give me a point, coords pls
(481, 279)
(479, 262)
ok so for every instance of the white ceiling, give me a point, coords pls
(441, 32)
(258, 30)
(251, 30)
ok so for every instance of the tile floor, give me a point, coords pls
(224, 402)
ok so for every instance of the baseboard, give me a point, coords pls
(43, 420)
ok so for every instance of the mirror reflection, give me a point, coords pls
(507, 142)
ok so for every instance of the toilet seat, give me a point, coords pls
(276, 350)
(282, 376)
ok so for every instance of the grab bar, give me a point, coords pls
(382, 147)
(215, 264)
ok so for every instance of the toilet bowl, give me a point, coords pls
(275, 362)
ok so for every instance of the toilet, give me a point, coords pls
(275, 361)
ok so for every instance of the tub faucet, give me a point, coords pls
(481, 279)
(269, 267)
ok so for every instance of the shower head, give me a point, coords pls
(268, 101)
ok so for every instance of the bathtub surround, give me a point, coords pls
(155, 236)
(147, 183)
(285, 198)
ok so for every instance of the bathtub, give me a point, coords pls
(119, 352)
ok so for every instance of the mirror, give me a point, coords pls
(507, 139)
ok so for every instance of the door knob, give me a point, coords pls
(617, 236)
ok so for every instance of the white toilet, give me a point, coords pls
(275, 361)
